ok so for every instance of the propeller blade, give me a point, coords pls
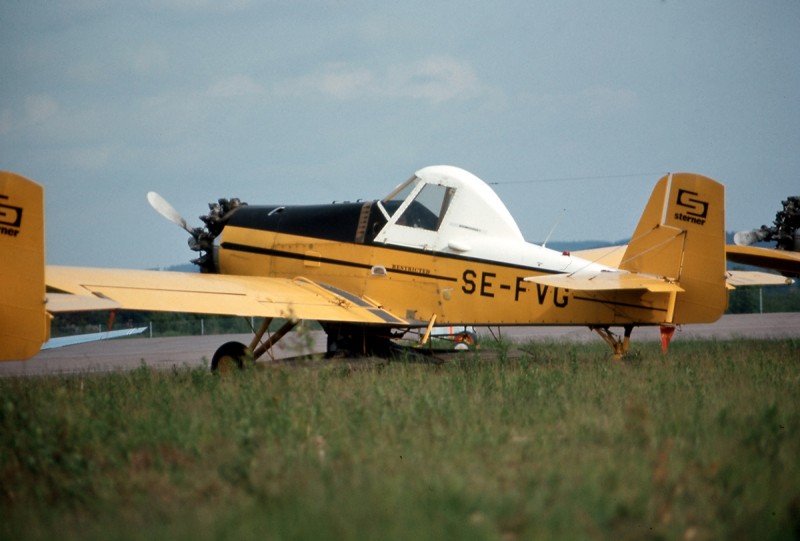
(168, 211)
(746, 238)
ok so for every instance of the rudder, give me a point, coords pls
(24, 322)
(681, 236)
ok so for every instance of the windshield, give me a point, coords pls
(427, 208)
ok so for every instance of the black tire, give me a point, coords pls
(230, 355)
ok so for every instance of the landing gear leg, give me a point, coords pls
(619, 345)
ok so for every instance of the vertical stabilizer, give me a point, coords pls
(681, 236)
(24, 322)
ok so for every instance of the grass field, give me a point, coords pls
(542, 442)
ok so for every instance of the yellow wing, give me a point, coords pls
(767, 258)
(25, 304)
(299, 298)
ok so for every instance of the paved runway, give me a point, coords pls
(165, 353)
(758, 326)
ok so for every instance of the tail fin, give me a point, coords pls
(681, 236)
(24, 322)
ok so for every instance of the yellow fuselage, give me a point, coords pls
(417, 284)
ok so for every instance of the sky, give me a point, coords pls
(571, 110)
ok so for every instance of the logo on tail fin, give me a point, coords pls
(697, 209)
(10, 218)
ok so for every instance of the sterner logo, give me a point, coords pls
(696, 209)
(10, 218)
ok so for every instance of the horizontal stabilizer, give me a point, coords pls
(607, 281)
(739, 278)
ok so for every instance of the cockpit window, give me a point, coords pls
(401, 192)
(428, 208)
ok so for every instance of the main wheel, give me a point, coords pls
(465, 341)
(230, 356)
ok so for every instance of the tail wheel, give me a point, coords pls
(230, 356)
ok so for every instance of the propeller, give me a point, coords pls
(163, 207)
(201, 239)
(746, 238)
(785, 232)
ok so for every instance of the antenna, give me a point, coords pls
(558, 221)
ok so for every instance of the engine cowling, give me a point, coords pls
(202, 238)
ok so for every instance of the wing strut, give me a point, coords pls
(258, 347)
(428, 330)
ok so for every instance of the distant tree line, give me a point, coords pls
(160, 323)
(768, 299)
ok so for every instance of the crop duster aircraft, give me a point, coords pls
(440, 249)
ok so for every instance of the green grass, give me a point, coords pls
(547, 442)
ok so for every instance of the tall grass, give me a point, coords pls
(551, 441)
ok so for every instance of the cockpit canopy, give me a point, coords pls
(441, 205)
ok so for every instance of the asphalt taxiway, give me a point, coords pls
(196, 351)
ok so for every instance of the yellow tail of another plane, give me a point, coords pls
(681, 236)
(24, 322)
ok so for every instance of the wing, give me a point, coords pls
(71, 288)
(767, 258)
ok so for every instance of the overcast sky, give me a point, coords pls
(573, 108)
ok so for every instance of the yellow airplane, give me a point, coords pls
(440, 249)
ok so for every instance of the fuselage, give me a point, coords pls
(461, 258)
